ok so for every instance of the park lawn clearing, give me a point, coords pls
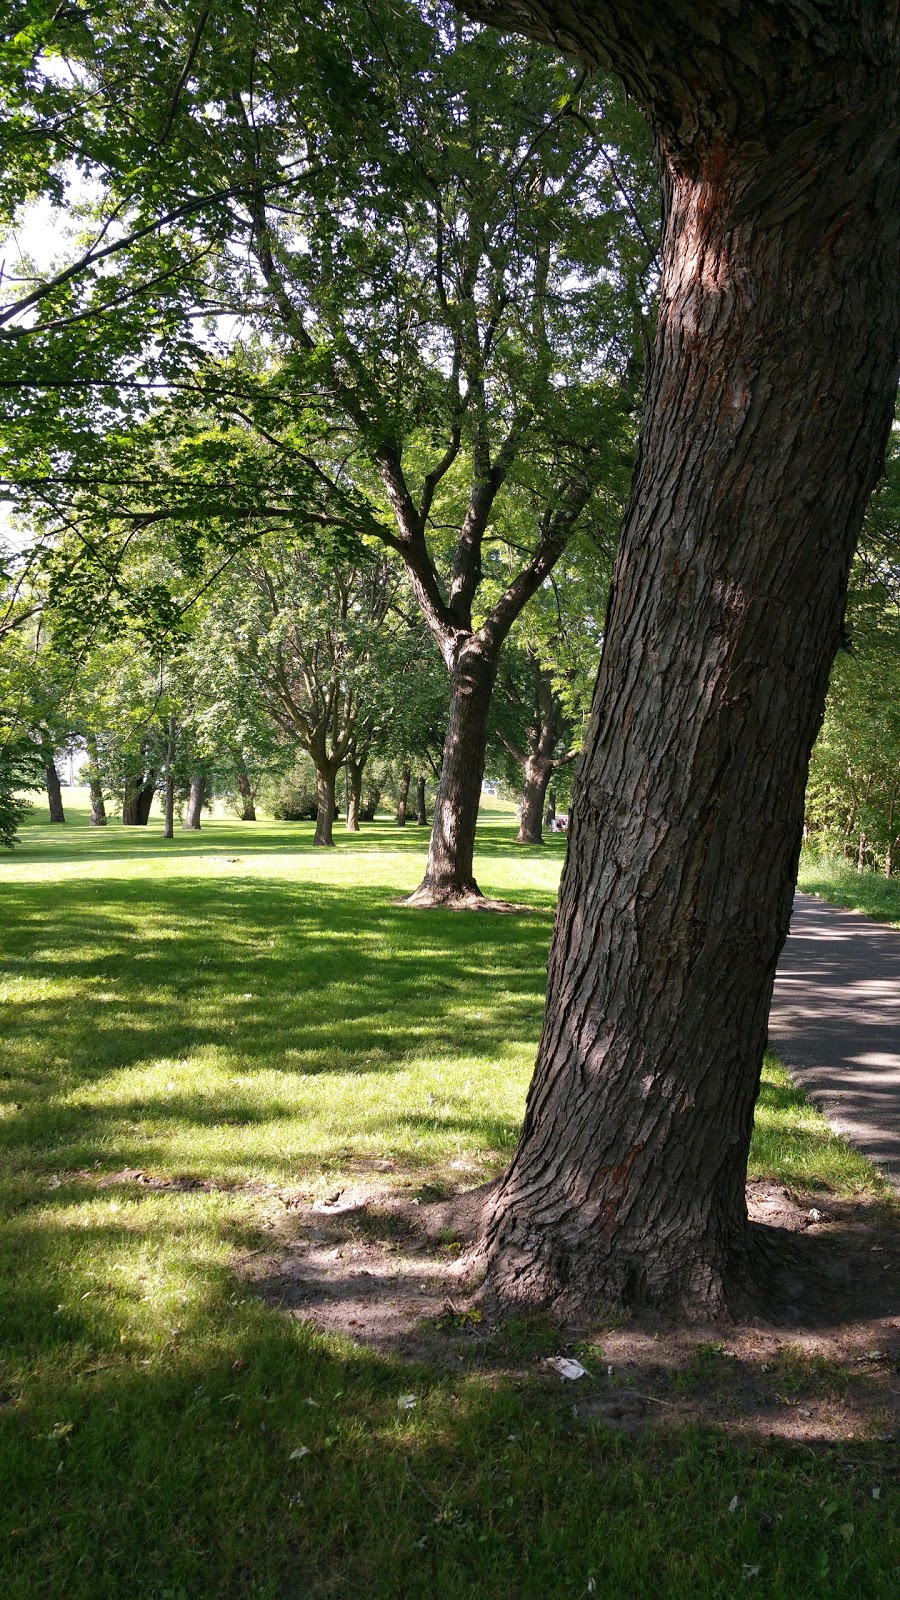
(230, 1067)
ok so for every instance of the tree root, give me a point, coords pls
(427, 899)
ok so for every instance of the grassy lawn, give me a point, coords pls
(840, 884)
(240, 1009)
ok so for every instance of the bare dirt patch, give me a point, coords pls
(818, 1361)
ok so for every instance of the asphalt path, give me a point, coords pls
(835, 1022)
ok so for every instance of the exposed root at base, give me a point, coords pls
(814, 1362)
(458, 900)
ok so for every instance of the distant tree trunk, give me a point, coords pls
(550, 812)
(245, 790)
(326, 806)
(889, 854)
(769, 403)
(421, 813)
(169, 816)
(355, 771)
(98, 807)
(448, 875)
(861, 853)
(537, 777)
(138, 801)
(145, 800)
(405, 778)
(54, 792)
(546, 728)
(194, 808)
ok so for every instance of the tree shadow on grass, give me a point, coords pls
(79, 844)
(244, 1453)
(299, 982)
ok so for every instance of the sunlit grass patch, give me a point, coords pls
(838, 882)
(794, 1143)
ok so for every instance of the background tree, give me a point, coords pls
(454, 326)
(547, 677)
(305, 631)
(853, 795)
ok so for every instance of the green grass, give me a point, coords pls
(257, 1023)
(838, 882)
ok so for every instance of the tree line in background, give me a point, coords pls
(358, 456)
(310, 685)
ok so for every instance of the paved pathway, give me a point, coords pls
(835, 1021)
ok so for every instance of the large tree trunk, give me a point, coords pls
(326, 807)
(138, 801)
(54, 792)
(245, 790)
(449, 876)
(194, 808)
(95, 785)
(421, 813)
(537, 777)
(768, 408)
(405, 780)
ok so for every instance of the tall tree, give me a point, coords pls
(768, 406)
(313, 637)
(535, 733)
(457, 322)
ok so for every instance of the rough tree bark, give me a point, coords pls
(326, 805)
(449, 875)
(405, 781)
(769, 402)
(54, 791)
(531, 811)
(95, 785)
(194, 807)
(421, 812)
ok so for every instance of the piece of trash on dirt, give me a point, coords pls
(610, 1371)
(592, 1586)
(813, 1215)
(60, 1429)
(567, 1367)
(876, 1494)
(301, 1451)
(734, 1502)
(310, 1402)
(750, 1572)
(55, 1182)
(296, 1499)
(513, 1438)
(407, 1401)
(876, 1355)
(803, 1411)
(341, 1200)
